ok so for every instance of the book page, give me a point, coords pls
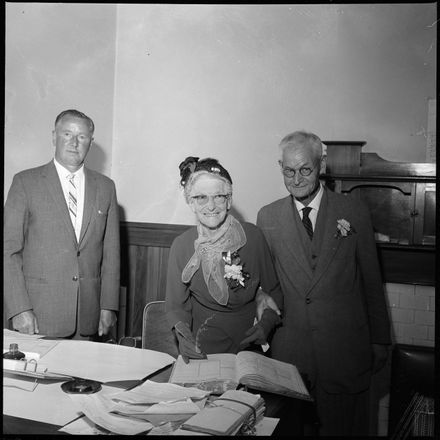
(270, 370)
(215, 367)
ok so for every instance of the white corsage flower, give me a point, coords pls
(343, 228)
(234, 273)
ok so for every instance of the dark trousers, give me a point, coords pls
(342, 414)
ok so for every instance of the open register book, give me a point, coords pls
(220, 372)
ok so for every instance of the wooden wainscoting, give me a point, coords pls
(144, 260)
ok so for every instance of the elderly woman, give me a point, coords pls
(216, 270)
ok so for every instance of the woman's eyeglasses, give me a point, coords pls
(219, 199)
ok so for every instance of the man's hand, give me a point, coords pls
(106, 321)
(25, 322)
(380, 355)
(265, 301)
(187, 344)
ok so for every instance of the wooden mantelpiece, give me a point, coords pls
(401, 197)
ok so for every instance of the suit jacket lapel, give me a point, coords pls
(89, 202)
(291, 235)
(55, 189)
(325, 231)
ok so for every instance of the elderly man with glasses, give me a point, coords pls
(335, 321)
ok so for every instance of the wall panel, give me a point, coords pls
(144, 263)
(145, 249)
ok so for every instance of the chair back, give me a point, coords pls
(156, 333)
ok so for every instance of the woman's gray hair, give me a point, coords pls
(302, 138)
(193, 178)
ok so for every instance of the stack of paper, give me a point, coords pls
(228, 414)
(138, 410)
(97, 409)
(159, 402)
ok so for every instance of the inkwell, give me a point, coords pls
(14, 353)
(81, 386)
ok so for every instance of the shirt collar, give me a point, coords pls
(64, 172)
(314, 204)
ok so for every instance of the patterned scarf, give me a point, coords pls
(208, 251)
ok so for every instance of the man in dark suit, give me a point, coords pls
(61, 241)
(335, 321)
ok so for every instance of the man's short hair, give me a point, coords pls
(75, 114)
(302, 137)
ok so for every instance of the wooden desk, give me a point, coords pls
(296, 416)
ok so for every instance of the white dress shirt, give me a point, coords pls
(79, 180)
(314, 204)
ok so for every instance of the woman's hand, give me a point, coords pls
(259, 333)
(255, 335)
(265, 301)
(187, 344)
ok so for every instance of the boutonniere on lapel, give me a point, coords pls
(343, 228)
(234, 273)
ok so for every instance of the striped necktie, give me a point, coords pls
(307, 222)
(73, 201)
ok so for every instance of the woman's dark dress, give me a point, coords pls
(219, 329)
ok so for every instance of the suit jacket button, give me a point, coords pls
(308, 300)
(75, 278)
(78, 253)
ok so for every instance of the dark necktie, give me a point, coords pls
(307, 222)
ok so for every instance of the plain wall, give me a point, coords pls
(231, 81)
(57, 56)
(163, 82)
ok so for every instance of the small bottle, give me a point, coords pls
(13, 353)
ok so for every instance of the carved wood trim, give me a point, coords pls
(150, 234)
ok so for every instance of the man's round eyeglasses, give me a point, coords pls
(304, 171)
(219, 199)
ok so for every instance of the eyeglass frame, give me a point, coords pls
(197, 200)
(301, 172)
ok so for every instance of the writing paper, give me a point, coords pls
(104, 362)
(48, 403)
(97, 409)
(150, 392)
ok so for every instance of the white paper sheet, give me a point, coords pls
(97, 409)
(104, 362)
(266, 426)
(11, 380)
(181, 407)
(84, 426)
(151, 392)
(48, 403)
